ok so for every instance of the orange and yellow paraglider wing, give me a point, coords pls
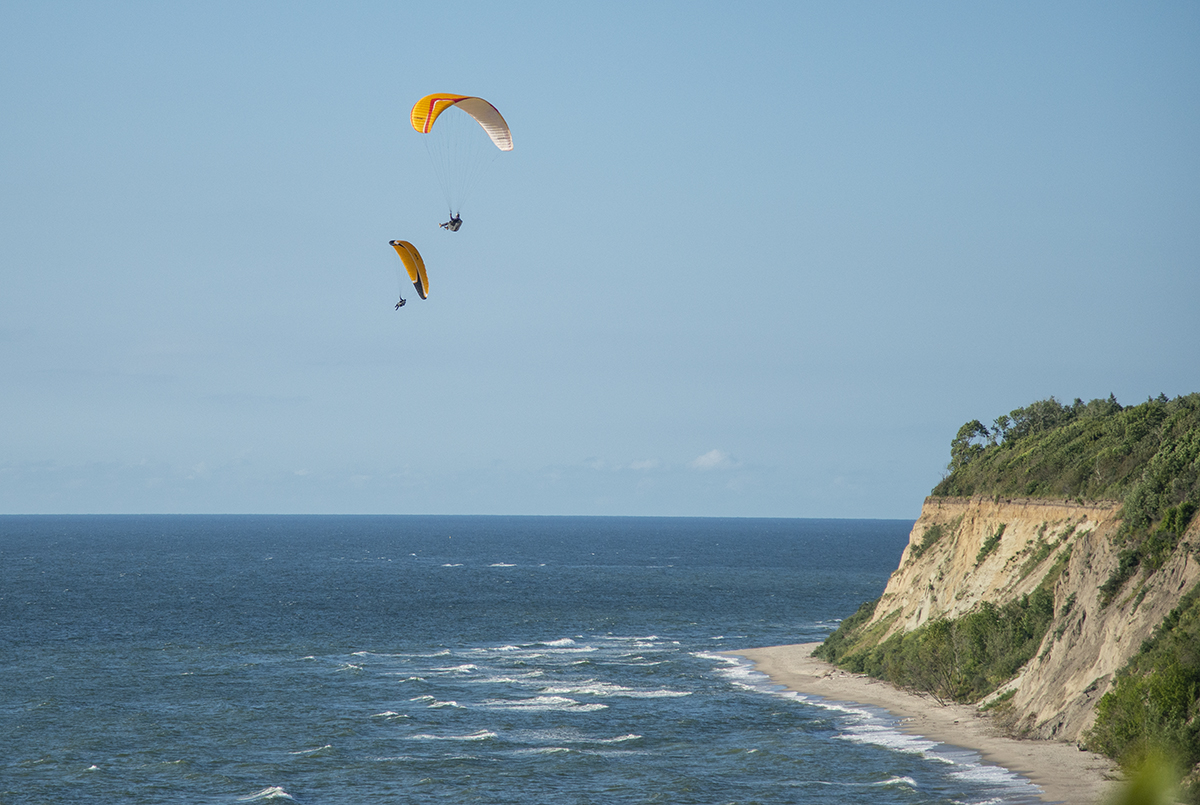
(426, 110)
(414, 265)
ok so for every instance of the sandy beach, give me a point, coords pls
(1063, 772)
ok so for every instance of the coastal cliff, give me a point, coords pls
(1053, 582)
(1055, 694)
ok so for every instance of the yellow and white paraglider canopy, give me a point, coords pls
(459, 152)
(414, 264)
(426, 111)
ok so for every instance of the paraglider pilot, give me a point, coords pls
(453, 224)
(400, 304)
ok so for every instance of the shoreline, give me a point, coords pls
(1063, 772)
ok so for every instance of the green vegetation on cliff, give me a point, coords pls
(961, 659)
(1154, 707)
(1147, 456)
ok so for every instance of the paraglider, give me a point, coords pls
(459, 153)
(415, 267)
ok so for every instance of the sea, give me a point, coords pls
(434, 659)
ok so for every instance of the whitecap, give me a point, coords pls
(311, 751)
(542, 704)
(452, 564)
(620, 739)
(561, 643)
(501, 564)
(908, 781)
(274, 792)
(480, 735)
(725, 658)
(592, 687)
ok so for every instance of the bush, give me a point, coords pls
(1154, 706)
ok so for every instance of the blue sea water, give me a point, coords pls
(541, 660)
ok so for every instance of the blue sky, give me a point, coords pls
(755, 259)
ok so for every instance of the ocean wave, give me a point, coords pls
(311, 751)
(908, 781)
(543, 703)
(527, 678)
(560, 643)
(620, 739)
(431, 701)
(274, 792)
(479, 735)
(465, 668)
(501, 564)
(592, 687)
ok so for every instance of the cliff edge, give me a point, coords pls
(963, 552)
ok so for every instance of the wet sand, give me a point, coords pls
(1065, 773)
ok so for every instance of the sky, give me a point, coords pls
(745, 259)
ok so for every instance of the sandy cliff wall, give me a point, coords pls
(942, 574)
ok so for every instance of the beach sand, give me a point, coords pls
(1063, 772)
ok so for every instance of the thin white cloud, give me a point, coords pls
(712, 460)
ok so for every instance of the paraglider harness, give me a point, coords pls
(453, 224)
(400, 304)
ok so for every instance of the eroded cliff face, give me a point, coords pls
(962, 552)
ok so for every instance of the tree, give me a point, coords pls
(964, 447)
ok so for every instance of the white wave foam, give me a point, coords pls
(620, 739)
(430, 701)
(501, 564)
(592, 687)
(908, 781)
(725, 658)
(480, 735)
(311, 751)
(543, 704)
(465, 668)
(874, 726)
(452, 564)
(532, 677)
(561, 643)
(274, 792)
